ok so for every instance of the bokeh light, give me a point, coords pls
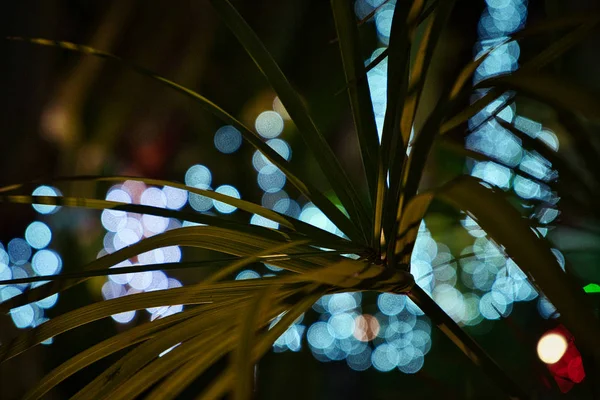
(366, 327)
(124, 317)
(319, 337)
(396, 334)
(125, 228)
(391, 304)
(46, 262)
(230, 191)
(227, 139)
(19, 251)
(280, 146)
(199, 202)
(23, 316)
(247, 274)
(271, 179)
(551, 347)
(198, 175)
(269, 124)
(262, 221)
(21, 260)
(45, 191)
(38, 235)
(176, 198)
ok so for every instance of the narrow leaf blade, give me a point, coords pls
(315, 141)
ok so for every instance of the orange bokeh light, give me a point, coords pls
(366, 327)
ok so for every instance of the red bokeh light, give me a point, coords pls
(569, 369)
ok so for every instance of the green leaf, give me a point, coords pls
(241, 204)
(217, 239)
(398, 179)
(171, 387)
(242, 362)
(209, 342)
(542, 59)
(418, 72)
(192, 368)
(560, 46)
(298, 180)
(122, 270)
(403, 26)
(531, 253)
(383, 55)
(583, 140)
(569, 177)
(422, 17)
(233, 267)
(556, 24)
(315, 141)
(466, 344)
(471, 110)
(360, 275)
(213, 331)
(104, 349)
(375, 62)
(269, 259)
(360, 96)
(549, 90)
(121, 380)
(380, 198)
(222, 384)
(330, 240)
(404, 23)
(150, 210)
(194, 294)
(408, 228)
(467, 72)
(413, 170)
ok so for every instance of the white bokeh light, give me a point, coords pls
(551, 347)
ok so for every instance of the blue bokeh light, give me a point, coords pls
(46, 191)
(269, 124)
(227, 139)
(230, 191)
(38, 235)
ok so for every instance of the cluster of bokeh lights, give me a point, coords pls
(29, 257)
(480, 284)
(503, 281)
(125, 228)
(396, 335)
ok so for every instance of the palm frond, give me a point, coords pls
(467, 345)
(402, 31)
(531, 252)
(110, 346)
(360, 97)
(313, 138)
(228, 325)
(299, 181)
(399, 174)
(211, 238)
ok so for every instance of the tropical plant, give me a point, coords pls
(239, 320)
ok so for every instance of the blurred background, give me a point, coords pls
(63, 114)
